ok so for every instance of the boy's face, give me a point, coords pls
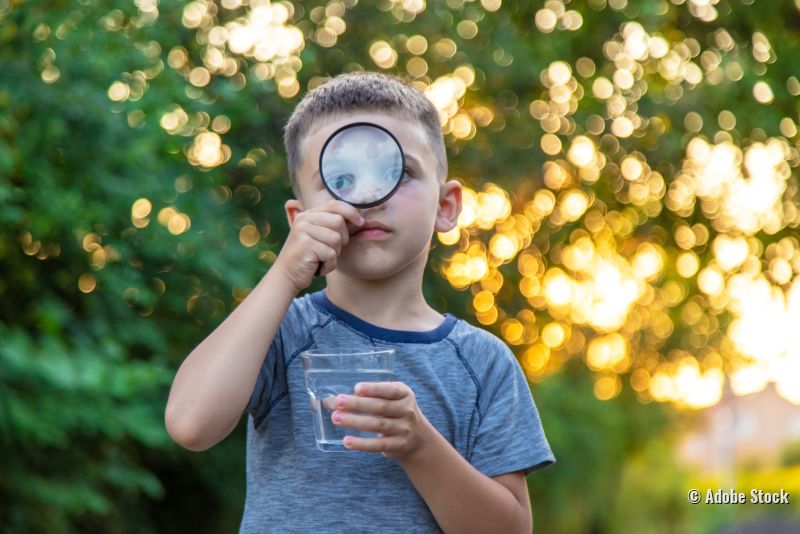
(420, 206)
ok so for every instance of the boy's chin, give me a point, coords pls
(367, 271)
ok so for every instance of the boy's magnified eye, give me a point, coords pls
(342, 181)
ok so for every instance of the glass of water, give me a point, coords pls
(332, 372)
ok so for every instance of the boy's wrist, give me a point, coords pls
(277, 286)
(429, 439)
(284, 278)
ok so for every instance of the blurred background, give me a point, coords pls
(630, 229)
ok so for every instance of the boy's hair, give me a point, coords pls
(362, 91)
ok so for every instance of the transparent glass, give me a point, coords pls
(332, 372)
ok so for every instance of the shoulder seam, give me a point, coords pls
(332, 317)
(472, 375)
(285, 392)
(310, 342)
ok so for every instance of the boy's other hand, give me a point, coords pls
(388, 409)
(317, 235)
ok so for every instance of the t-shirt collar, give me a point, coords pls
(320, 298)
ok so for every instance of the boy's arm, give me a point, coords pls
(215, 383)
(461, 498)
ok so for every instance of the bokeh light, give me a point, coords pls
(611, 288)
(608, 282)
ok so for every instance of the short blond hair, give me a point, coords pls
(362, 91)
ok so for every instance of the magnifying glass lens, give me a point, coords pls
(362, 164)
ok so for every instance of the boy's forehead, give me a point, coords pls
(408, 132)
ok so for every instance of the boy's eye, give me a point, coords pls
(342, 180)
(406, 175)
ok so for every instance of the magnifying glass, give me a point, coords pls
(362, 164)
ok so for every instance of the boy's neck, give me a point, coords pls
(394, 303)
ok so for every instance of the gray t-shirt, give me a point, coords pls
(467, 383)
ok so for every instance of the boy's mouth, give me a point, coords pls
(371, 230)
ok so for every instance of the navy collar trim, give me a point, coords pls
(320, 298)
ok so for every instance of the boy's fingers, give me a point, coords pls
(325, 255)
(329, 220)
(325, 235)
(344, 209)
(329, 403)
(370, 405)
(367, 423)
(385, 390)
(383, 444)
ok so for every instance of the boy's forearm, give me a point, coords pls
(214, 383)
(461, 498)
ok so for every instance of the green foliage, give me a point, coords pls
(84, 376)
(75, 418)
(606, 452)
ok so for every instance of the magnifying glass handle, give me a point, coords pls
(319, 268)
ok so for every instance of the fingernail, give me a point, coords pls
(361, 219)
(337, 416)
(347, 442)
(359, 389)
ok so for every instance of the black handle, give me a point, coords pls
(319, 268)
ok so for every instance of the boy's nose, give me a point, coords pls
(367, 212)
(369, 195)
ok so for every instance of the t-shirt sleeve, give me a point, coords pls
(510, 435)
(270, 381)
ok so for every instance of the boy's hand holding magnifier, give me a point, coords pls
(362, 165)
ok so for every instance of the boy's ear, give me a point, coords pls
(292, 207)
(449, 206)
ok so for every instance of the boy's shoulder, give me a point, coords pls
(301, 308)
(487, 353)
(468, 333)
(482, 347)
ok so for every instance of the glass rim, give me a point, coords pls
(332, 352)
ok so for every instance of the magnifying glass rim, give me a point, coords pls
(374, 202)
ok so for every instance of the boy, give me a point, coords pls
(458, 430)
